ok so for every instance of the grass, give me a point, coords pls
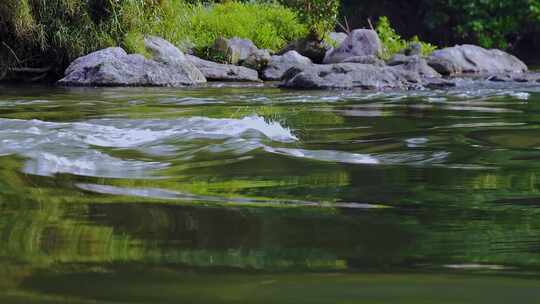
(52, 33)
(393, 43)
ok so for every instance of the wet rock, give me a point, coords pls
(235, 50)
(280, 64)
(258, 60)
(463, 59)
(309, 47)
(499, 78)
(114, 67)
(438, 83)
(223, 72)
(347, 76)
(522, 78)
(360, 42)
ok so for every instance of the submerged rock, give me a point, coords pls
(348, 76)
(360, 42)
(223, 72)
(114, 67)
(472, 59)
(280, 64)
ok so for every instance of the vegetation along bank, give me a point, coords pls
(306, 44)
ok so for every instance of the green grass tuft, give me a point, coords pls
(393, 43)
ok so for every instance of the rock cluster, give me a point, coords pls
(353, 63)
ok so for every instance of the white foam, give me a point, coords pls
(76, 148)
(327, 155)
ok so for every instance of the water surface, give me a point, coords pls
(259, 195)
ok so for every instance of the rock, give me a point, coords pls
(114, 67)
(360, 42)
(443, 66)
(165, 52)
(369, 59)
(499, 78)
(258, 60)
(471, 59)
(347, 76)
(398, 59)
(235, 50)
(337, 38)
(280, 64)
(418, 65)
(438, 83)
(512, 78)
(521, 79)
(309, 47)
(223, 72)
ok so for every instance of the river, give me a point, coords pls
(231, 194)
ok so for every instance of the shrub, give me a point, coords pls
(393, 43)
(496, 24)
(268, 25)
(38, 33)
(54, 32)
(319, 15)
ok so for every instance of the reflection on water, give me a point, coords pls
(227, 195)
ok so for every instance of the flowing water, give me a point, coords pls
(257, 195)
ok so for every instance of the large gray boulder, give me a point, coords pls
(360, 42)
(472, 59)
(235, 49)
(349, 76)
(164, 52)
(114, 67)
(223, 72)
(278, 65)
